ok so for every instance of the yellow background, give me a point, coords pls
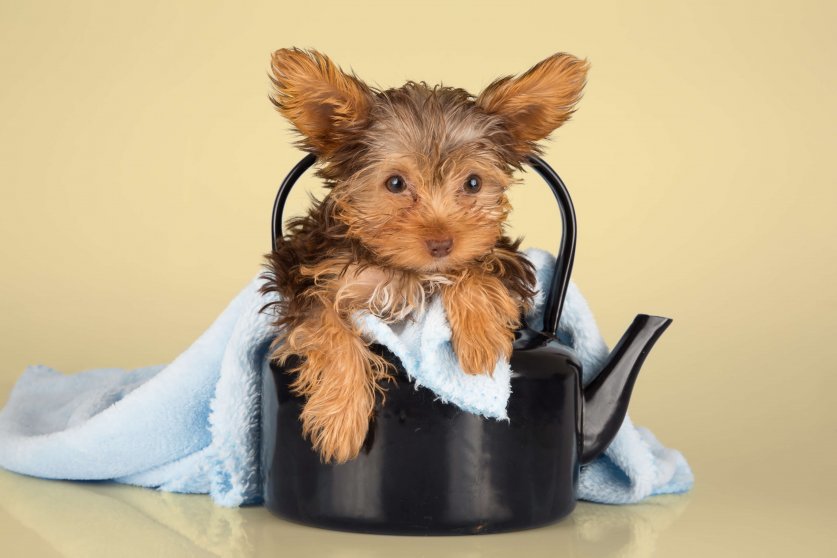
(139, 157)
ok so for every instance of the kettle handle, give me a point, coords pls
(282, 195)
(566, 251)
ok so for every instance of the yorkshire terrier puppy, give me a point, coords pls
(416, 206)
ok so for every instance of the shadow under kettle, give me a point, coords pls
(428, 467)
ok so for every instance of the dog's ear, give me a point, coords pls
(324, 104)
(537, 102)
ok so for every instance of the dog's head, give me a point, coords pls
(418, 174)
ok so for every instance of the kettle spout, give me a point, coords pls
(606, 397)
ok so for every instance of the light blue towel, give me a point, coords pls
(193, 425)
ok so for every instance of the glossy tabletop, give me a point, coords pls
(726, 515)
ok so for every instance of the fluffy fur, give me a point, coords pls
(370, 246)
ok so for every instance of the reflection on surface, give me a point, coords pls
(625, 531)
(94, 519)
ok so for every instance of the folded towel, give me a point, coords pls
(193, 425)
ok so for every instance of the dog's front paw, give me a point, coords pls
(479, 350)
(340, 397)
(337, 433)
(482, 316)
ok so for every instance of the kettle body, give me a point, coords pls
(428, 467)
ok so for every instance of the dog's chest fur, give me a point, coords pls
(392, 295)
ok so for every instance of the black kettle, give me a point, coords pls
(430, 468)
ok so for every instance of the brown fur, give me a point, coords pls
(363, 247)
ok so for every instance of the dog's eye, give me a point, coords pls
(473, 184)
(396, 184)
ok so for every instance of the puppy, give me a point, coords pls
(416, 206)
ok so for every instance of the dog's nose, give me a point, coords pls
(439, 247)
